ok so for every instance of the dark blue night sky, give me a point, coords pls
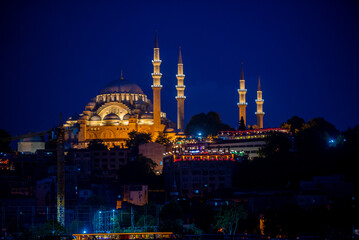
(55, 57)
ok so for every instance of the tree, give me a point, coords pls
(228, 217)
(293, 124)
(163, 139)
(96, 144)
(242, 126)
(137, 138)
(4, 145)
(140, 170)
(206, 124)
(315, 136)
(47, 229)
(171, 217)
(277, 145)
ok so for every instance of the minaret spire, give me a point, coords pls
(180, 93)
(121, 75)
(242, 104)
(259, 102)
(242, 73)
(259, 83)
(180, 56)
(156, 86)
(156, 41)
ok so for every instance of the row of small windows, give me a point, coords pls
(98, 129)
(204, 179)
(240, 146)
(121, 97)
(205, 172)
(122, 160)
(211, 186)
(112, 166)
(111, 154)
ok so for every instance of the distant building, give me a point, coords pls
(333, 187)
(247, 142)
(101, 163)
(198, 175)
(243, 143)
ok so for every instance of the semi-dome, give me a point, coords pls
(111, 116)
(95, 118)
(146, 116)
(126, 117)
(121, 86)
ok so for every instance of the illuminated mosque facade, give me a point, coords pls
(122, 107)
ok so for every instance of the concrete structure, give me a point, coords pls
(242, 104)
(31, 145)
(259, 102)
(155, 152)
(180, 94)
(135, 194)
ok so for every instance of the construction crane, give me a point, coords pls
(60, 133)
(60, 174)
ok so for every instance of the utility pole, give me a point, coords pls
(60, 175)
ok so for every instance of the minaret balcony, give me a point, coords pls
(177, 97)
(156, 74)
(156, 61)
(180, 86)
(242, 90)
(156, 86)
(180, 75)
(242, 104)
(259, 113)
(259, 100)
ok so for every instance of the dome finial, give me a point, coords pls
(121, 75)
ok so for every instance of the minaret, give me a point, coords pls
(156, 75)
(180, 93)
(242, 104)
(259, 102)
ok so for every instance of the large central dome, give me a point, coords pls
(121, 86)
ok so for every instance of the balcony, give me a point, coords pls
(156, 74)
(156, 86)
(239, 104)
(180, 75)
(184, 97)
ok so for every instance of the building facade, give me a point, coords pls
(119, 108)
(198, 175)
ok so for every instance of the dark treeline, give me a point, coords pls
(315, 148)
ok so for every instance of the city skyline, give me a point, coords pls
(55, 57)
